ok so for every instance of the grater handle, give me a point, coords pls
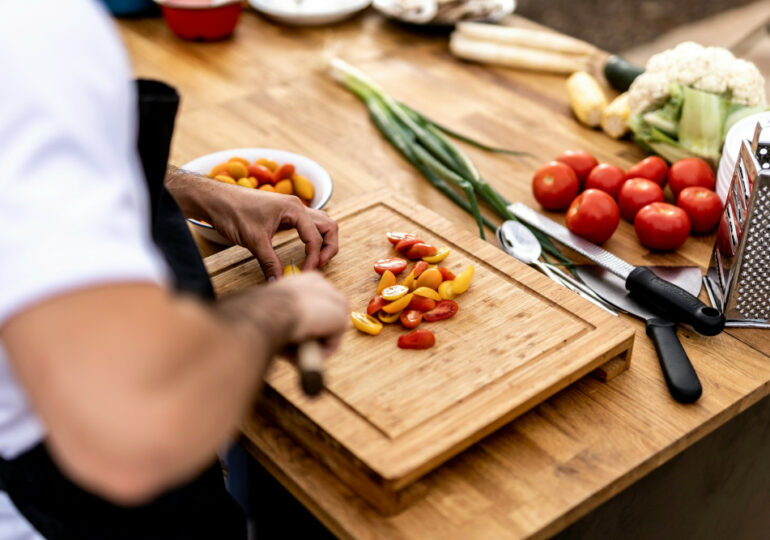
(674, 302)
(681, 379)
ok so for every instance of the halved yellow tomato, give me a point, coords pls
(366, 323)
(445, 290)
(408, 281)
(440, 255)
(388, 319)
(398, 305)
(388, 279)
(427, 293)
(463, 280)
(395, 292)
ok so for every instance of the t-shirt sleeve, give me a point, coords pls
(73, 202)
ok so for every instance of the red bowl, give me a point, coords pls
(199, 23)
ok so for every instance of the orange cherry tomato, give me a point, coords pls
(410, 318)
(388, 279)
(394, 264)
(419, 268)
(419, 339)
(431, 278)
(444, 310)
(420, 250)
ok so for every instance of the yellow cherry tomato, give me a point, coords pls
(427, 293)
(408, 281)
(225, 179)
(244, 182)
(267, 187)
(395, 292)
(388, 279)
(291, 269)
(445, 290)
(218, 169)
(398, 305)
(303, 187)
(429, 278)
(388, 319)
(463, 280)
(236, 169)
(366, 323)
(244, 161)
(440, 255)
(269, 163)
(285, 187)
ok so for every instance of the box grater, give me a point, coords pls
(738, 277)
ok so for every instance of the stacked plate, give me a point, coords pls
(743, 129)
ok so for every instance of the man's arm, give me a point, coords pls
(250, 218)
(138, 388)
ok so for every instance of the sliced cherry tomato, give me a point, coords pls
(606, 177)
(388, 279)
(397, 305)
(555, 185)
(440, 255)
(366, 323)
(652, 168)
(444, 309)
(581, 162)
(420, 250)
(445, 290)
(427, 292)
(410, 318)
(690, 172)
(394, 264)
(461, 283)
(375, 305)
(394, 237)
(594, 215)
(388, 318)
(419, 339)
(446, 273)
(703, 206)
(421, 303)
(419, 268)
(284, 171)
(636, 193)
(431, 278)
(395, 292)
(662, 226)
(404, 244)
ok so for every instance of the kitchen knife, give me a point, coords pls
(680, 376)
(310, 363)
(657, 294)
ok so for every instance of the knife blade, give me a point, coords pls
(310, 362)
(655, 293)
(680, 376)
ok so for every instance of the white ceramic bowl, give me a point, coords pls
(308, 168)
(309, 12)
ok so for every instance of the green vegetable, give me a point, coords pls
(620, 73)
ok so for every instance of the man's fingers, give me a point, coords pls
(267, 258)
(329, 231)
(308, 233)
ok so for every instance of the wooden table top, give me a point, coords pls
(269, 87)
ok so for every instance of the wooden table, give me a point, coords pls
(269, 87)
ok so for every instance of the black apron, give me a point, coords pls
(202, 508)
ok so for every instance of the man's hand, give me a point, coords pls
(250, 218)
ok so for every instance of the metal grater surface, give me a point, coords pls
(738, 278)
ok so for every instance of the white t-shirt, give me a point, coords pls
(73, 203)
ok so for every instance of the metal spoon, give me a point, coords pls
(517, 240)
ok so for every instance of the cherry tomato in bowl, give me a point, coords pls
(555, 185)
(594, 215)
(703, 207)
(606, 177)
(652, 168)
(581, 162)
(636, 193)
(690, 172)
(394, 264)
(419, 339)
(662, 226)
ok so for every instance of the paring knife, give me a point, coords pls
(310, 363)
(680, 376)
(648, 289)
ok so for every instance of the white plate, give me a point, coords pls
(309, 12)
(308, 168)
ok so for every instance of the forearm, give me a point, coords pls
(196, 194)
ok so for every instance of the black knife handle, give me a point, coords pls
(681, 379)
(673, 302)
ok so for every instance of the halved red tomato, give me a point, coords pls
(394, 264)
(421, 303)
(420, 250)
(419, 268)
(444, 309)
(406, 243)
(394, 237)
(419, 339)
(446, 273)
(410, 318)
(375, 305)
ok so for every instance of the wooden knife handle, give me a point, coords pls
(310, 363)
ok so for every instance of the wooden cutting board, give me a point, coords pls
(389, 416)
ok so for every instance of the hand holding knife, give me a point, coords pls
(310, 362)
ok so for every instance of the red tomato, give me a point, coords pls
(446, 273)
(261, 173)
(419, 339)
(703, 207)
(555, 185)
(410, 318)
(375, 305)
(419, 268)
(636, 193)
(444, 309)
(606, 177)
(394, 237)
(284, 171)
(662, 226)
(652, 168)
(594, 215)
(421, 303)
(690, 172)
(581, 162)
(394, 264)
(405, 243)
(420, 250)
